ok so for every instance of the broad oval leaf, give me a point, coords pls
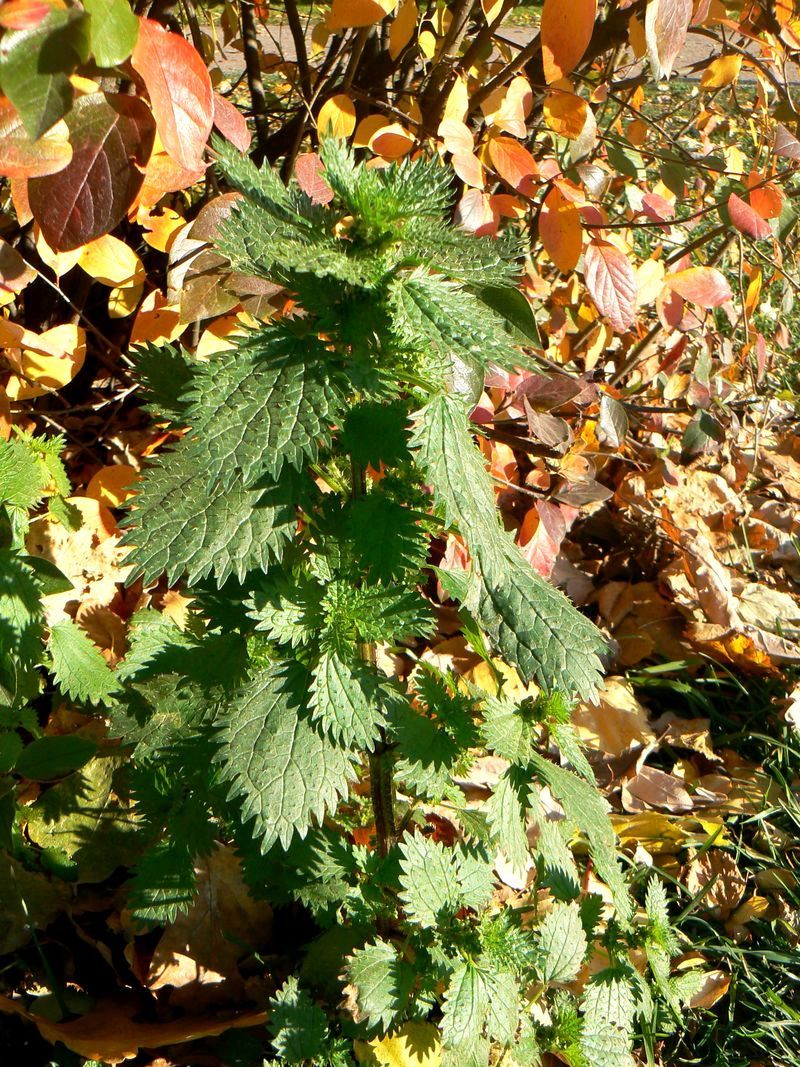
(21, 157)
(705, 286)
(666, 25)
(35, 65)
(564, 111)
(611, 282)
(345, 14)
(746, 220)
(722, 71)
(513, 162)
(112, 136)
(566, 30)
(231, 123)
(179, 87)
(560, 230)
(113, 30)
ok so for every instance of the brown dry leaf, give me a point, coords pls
(713, 582)
(105, 628)
(702, 501)
(176, 607)
(642, 622)
(111, 1034)
(653, 788)
(728, 881)
(615, 724)
(203, 946)
(691, 734)
(714, 987)
(91, 558)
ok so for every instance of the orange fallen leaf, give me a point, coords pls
(111, 485)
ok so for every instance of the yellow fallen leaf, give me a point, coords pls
(112, 262)
(368, 126)
(412, 1045)
(616, 722)
(157, 321)
(392, 141)
(160, 229)
(48, 360)
(337, 117)
(60, 263)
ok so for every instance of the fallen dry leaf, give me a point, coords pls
(719, 868)
(111, 1034)
(715, 986)
(203, 946)
(615, 724)
(654, 788)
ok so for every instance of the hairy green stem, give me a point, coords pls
(381, 775)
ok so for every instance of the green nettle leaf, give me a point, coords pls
(178, 527)
(562, 944)
(506, 813)
(466, 1003)
(298, 1026)
(23, 477)
(429, 885)
(284, 771)
(78, 665)
(609, 1008)
(585, 806)
(437, 881)
(503, 1007)
(344, 701)
(262, 405)
(532, 624)
(381, 982)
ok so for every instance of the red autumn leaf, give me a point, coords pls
(705, 286)
(23, 14)
(746, 220)
(542, 532)
(666, 26)
(513, 162)
(611, 282)
(112, 136)
(179, 87)
(566, 30)
(560, 230)
(231, 123)
(20, 157)
(309, 171)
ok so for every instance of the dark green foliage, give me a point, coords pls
(317, 463)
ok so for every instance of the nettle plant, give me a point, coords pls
(326, 453)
